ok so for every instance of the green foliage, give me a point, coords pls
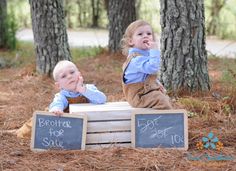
(196, 106)
(82, 52)
(11, 28)
(21, 55)
(150, 11)
(227, 77)
(227, 66)
(227, 26)
(24, 53)
(229, 73)
(226, 23)
(22, 11)
(79, 14)
(226, 107)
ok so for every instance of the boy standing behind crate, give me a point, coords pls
(140, 85)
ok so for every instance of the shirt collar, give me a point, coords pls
(140, 51)
(69, 93)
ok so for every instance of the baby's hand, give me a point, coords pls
(80, 85)
(57, 112)
(162, 88)
(151, 45)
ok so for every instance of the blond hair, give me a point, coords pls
(129, 33)
(61, 65)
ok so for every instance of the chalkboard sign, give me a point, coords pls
(66, 132)
(159, 129)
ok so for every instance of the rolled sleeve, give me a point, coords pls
(59, 103)
(94, 95)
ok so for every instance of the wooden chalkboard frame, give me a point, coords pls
(74, 115)
(158, 112)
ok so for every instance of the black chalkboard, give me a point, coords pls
(66, 132)
(160, 129)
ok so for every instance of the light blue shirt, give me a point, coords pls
(141, 66)
(92, 94)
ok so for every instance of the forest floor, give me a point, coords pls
(22, 92)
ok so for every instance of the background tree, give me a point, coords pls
(120, 14)
(80, 13)
(214, 18)
(50, 36)
(95, 12)
(8, 26)
(68, 12)
(183, 45)
(3, 23)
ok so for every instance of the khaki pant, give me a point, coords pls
(146, 94)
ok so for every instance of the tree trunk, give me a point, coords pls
(120, 14)
(184, 57)
(50, 36)
(95, 12)
(3, 23)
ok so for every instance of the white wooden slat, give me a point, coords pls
(111, 115)
(78, 108)
(107, 111)
(98, 146)
(108, 126)
(107, 115)
(107, 106)
(115, 137)
(122, 103)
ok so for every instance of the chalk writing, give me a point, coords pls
(162, 133)
(176, 139)
(53, 123)
(55, 132)
(147, 124)
(159, 129)
(52, 143)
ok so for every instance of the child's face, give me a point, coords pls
(68, 78)
(142, 36)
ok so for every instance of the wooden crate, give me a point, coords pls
(108, 124)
